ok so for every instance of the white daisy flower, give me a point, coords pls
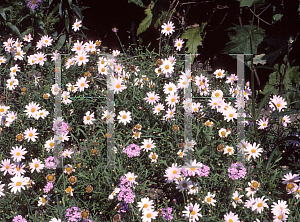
(168, 28)
(145, 203)
(67, 153)
(157, 108)
(192, 212)
(149, 214)
(108, 117)
(36, 165)
(82, 84)
(18, 183)
(42, 201)
(259, 205)
(124, 117)
(88, 118)
(253, 151)
(170, 88)
(153, 157)
(31, 134)
(55, 89)
(49, 145)
(220, 73)
(210, 199)
(229, 150)
(148, 145)
(18, 153)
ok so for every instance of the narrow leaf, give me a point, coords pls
(144, 25)
(67, 21)
(14, 28)
(61, 42)
(77, 11)
(2, 12)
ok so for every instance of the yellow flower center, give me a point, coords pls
(124, 116)
(2, 110)
(168, 29)
(36, 165)
(253, 151)
(18, 153)
(170, 88)
(173, 100)
(31, 134)
(230, 220)
(264, 124)
(78, 48)
(148, 145)
(217, 94)
(145, 205)
(148, 215)
(33, 110)
(167, 67)
(158, 109)
(280, 217)
(236, 199)
(153, 157)
(193, 212)
(230, 115)
(278, 105)
(19, 183)
(68, 169)
(118, 86)
(219, 73)
(51, 144)
(255, 184)
(174, 171)
(290, 186)
(223, 133)
(136, 134)
(152, 98)
(7, 167)
(108, 116)
(229, 150)
(192, 168)
(43, 200)
(209, 199)
(259, 205)
(88, 118)
(69, 189)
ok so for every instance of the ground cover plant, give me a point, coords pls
(150, 181)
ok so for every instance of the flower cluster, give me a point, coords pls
(73, 214)
(132, 150)
(237, 171)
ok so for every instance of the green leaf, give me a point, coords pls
(144, 25)
(277, 17)
(137, 2)
(50, 2)
(2, 12)
(21, 19)
(240, 39)
(60, 9)
(263, 102)
(14, 28)
(67, 21)
(247, 3)
(77, 11)
(193, 35)
(61, 41)
(54, 10)
(70, 3)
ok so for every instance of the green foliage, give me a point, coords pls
(193, 35)
(145, 24)
(247, 3)
(137, 2)
(240, 39)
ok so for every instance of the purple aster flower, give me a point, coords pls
(126, 194)
(167, 213)
(60, 129)
(19, 218)
(132, 150)
(48, 187)
(51, 162)
(33, 4)
(73, 214)
(237, 171)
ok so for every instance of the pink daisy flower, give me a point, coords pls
(6, 167)
(18, 153)
(178, 44)
(159, 107)
(116, 85)
(279, 103)
(168, 28)
(40, 58)
(82, 84)
(30, 134)
(151, 98)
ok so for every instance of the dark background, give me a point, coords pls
(103, 15)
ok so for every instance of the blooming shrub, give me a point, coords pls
(149, 91)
